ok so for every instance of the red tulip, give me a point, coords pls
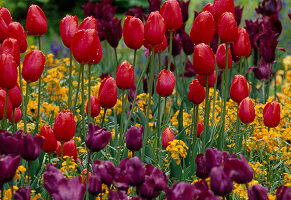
(166, 83)
(8, 71)
(16, 31)
(171, 12)
(15, 96)
(202, 30)
(242, 46)
(88, 23)
(17, 113)
(246, 111)
(2, 104)
(69, 149)
(209, 7)
(5, 20)
(196, 92)
(107, 93)
(10, 46)
(50, 143)
(125, 75)
(158, 48)
(271, 114)
(211, 80)
(167, 136)
(65, 126)
(36, 23)
(33, 66)
(199, 128)
(86, 47)
(239, 88)
(220, 57)
(95, 106)
(155, 29)
(203, 59)
(221, 6)
(227, 28)
(133, 32)
(68, 28)
(83, 176)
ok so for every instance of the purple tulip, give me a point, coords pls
(52, 176)
(269, 7)
(117, 195)
(201, 166)
(161, 179)
(133, 138)
(184, 5)
(22, 193)
(8, 167)
(147, 189)
(187, 44)
(70, 189)
(262, 71)
(9, 144)
(189, 70)
(135, 171)
(112, 31)
(30, 146)
(214, 43)
(131, 93)
(267, 46)
(154, 5)
(137, 12)
(258, 192)
(176, 43)
(238, 10)
(180, 191)
(213, 158)
(97, 138)
(283, 193)
(120, 180)
(95, 185)
(220, 181)
(105, 169)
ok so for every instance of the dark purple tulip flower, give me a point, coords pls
(161, 179)
(213, 158)
(289, 15)
(208, 195)
(120, 180)
(214, 43)
(189, 70)
(52, 176)
(267, 46)
(283, 193)
(70, 189)
(238, 10)
(22, 193)
(30, 146)
(201, 166)
(95, 185)
(184, 5)
(262, 71)
(154, 5)
(177, 44)
(117, 195)
(147, 189)
(180, 191)
(105, 169)
(131, 93)
(135, 171)
(9, 144)
(220, 181)
(137, 12)
(97, 138)
(187, 44)
(8, 167)
(269, 7)
(133, 138)
(258, 192)
(112, 31)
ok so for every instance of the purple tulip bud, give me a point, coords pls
(131, 93)
(187, 44)
(137, 12)
(208, 195)
(70, 189)
(283, 193)
(22, 193)
(269, 7)
(180, 191)
(8, 167)
(214, 43)
(135, 171)
(154, 5)
(136, 198)
(117, 195)
(149, 169)
(122, 164)
(201, 166)
(184, 9)
(106, 170)
(97, 138)
(52, 176)
(147, 189)
(258, 192)
(238, 10)
(95, 185)
(112, 31)
(30, 146)
(9, 144)
(189, 70)
(213, 158)
(262, 71)
(220, 182)
(133, 138)
(161, 179)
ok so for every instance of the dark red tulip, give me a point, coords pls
(220, 57)
(221, 6)
(187, 44)
(227, 28)
(5, 20)
(246, 111)
(8, 167)
(258, 192)
(283, 193)
(36, 23)
(8, 71)
(88, 23)
(16, 31)
(69, 149)
(50, 143)
(271, 114)
(86, 47)
(95, 185)
(166, 83)
(30, 146)
(155, 28)
(167, 136)
(199, 128)
(107, 93)
(125, 75)
(133, 32)
(239, 88)
(10, 46)
(171, 12)
(17, 113)
(33, 65)
(202, 30)
(196, 92)
(97, 138)
(242, 46)
(68, 28)
(95, 106)
(203, 59)
(184, 5)
(15, 96)
(2, 105)
(64, 126)
(133, 138)
(211, 80)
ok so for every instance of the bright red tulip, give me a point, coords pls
(68, 28)
(167, 136)
(2, 104)
(36, 23)
(203, 59)
(5, 20)
(166, 83)
(242, 46)
(83, 176)
(271, 114)
(196, 92)
(211, 80)
(155, 28)
(15, 96)
(8, 71)
(33, 66)
(221, 6)
(227, 28)
(65, 126)
(125, 75)
(86, 47)
(199, 128)
(88, 23)
(107, 94)
(95, 106)
(17, 113)
(171, 12)
(133, 32)
(246, 111)
(220, 57)
(10, 46)
(202, 30)
(239, 88)
(69, 149)
(158, 48)
(209, 7)
(16, 31)
(50, 143)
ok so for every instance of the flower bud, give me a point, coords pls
(166, 83)
(258, 192)
(10, 46)
(133, 32)
(15, 96)
(16, 31)
(117, 194)
(30, 146)
(95, 106)
(246, 111)
(227, 28)
(88, 23)
(211, 80)
(199, 128)
(133, 138)
(155, 29)
(271, 114)
(242, 46)
(167, 136)
(97, 138)
(17, 113)
(50, 142)
(69, 149)
(22, 193)
(221, 6)
(68, 28)
(2, 105)
(5, 20)
(196, 92)
(65, 126)
(8, 71)
(239, 88)
(36, 23)
(171, 12)
(203, 60)
(220, 57)
(107, 93)
(125, 75)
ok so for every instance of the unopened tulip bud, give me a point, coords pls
(64, 126)
(167, 136)
(239, 88)
(166, 83)
(246, 111)
(203, 59)
(107, 93)
(171, 12)
(227, 28)
(155, 28)
(271, 114)
(196, 92)
(220, 57)
(68, 28)
(36, 23)
(133, 32)
(125, 75)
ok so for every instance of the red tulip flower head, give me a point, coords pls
(211, 80)
(65, 126)
(196, 92)
(246, 111)
(2, 105)
(88, 23)
(36, 23)
(202, 30)
(5, 20)
(10, 46)
(220, 57)
(239, 88)
(69, 149)
(158, 48)
(50, 143)
(242, 46)
(171, 12)
(8, 71)
(16, 31)
(15, 96)
(221, 6)
(107, 94)
(271, 114)
(199, 128)
(95, 106)
(17, 117)
(203, 60)
(167, 136)
(166, 83)
(227, 28)
(133, 32)
(33, 66)
(155, 29)
(125, 75)
(68, 28)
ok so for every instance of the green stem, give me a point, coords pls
(103, 118)
(176, 85)
(28, 171)
(165, 112)
(39, 43)
(83, 102)
(269, 79)
(12, 191)
(205, 116)
(240, 65)
(159, 109)
(194, 136)
(62, 149)
(134, 58)
(78, 88)
(25, 109)
(116, 61)
(214, 101)
(121, 135)
(70, 83)
(89, 94)
(237, 143)
(170, 53)
(88, 165)
(264, 95)
(13, 121)
(21, 90)
(5, 110)
(38, 105)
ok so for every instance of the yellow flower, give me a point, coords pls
(177, 148)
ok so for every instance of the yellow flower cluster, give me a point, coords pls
(8, 194)
(69, 167)
(178, 149)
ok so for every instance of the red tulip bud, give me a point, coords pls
(203, 59)
(33, 66)
(68, 28)
(202, 30)
(5, 20)
(242, 46)
(133, 32)
(221, 6)
(17, 113)
(95, 106)
(15, 96)
(69, 149)
(246, 111)
(10, 46)
(50, 143)
(227, 28)
(167, 136)
(211, 80)
(65, 126)
(155, 28)
(36, 23)
(2, 104)
(220, 57)
(199, 128)
(271, 114)
(88, 23)
(196, 92)
(239, 88)
(166, 83)
(16, 31)
(8, 71)
(125, 75)
(107, 93)
(171, 12)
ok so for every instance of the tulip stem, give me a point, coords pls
(103, 118)
(165, 111)
(240, 65)
(121, 135)
(62, 149)
(13, 121)
(159, 109)
(214, 99)
(264, 95)
(38, 105)
(89, 94)
(12, 191)
(206, 119)
(20, 82)
(116, 60)
(28, 171)
(269, 79)
(5, 110)
(25, 109)
(2, 193)
(170, 53)
(78, 88)
(88, 165)
(134, 58)
(194, 135)
(82, 105)
(237, 143)
(70, 83)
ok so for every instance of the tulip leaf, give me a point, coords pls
(180, 116)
